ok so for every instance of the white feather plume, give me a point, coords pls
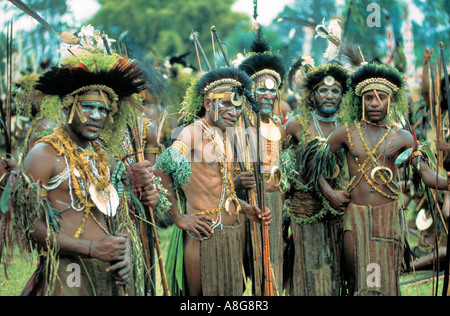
(333, 34)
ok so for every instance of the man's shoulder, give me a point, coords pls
(42, 149)
(42, 161)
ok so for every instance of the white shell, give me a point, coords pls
(422, 222)
(237, 100)
(107, 201)
(329, 81)
(269, 83)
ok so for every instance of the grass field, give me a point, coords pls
(20, 271)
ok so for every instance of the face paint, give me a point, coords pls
(328, 110)
(95, 110)
(261, 90)
(324, 91)
(266, 109)
(230, 111)
(238, 109)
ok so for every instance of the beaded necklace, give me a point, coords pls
(228, 193)
(317, 118)
(372, 161)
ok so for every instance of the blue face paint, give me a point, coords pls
(95, 110)
(324, 90)
(329, 110)
(266, 106)
(232, 111)
(263, 90)
(231, 107)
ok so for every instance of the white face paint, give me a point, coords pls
(229, 113)
(267, 93)
(95, 110)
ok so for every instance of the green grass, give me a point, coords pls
(421, 288)
(20, 270)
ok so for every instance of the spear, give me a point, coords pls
(198, 47)
(435, 112)
(447, 90)
(439, 163)
(7, 113)
(140, 157)
(65, 36)
(213, 28)
(267, 284)
(34, 15)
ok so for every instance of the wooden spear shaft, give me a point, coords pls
(447, 90)
(268, 280)
(149, 211)
(158, 248)
(9, 53)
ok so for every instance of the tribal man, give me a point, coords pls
(267, 71)
(375, 147)
(316, 227)
(199, 168)
(80, 220)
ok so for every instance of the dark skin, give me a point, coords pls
(376, 108)
(246, 180)
(203, 191)
(293, 127)
(43, 163)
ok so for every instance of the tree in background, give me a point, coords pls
(314, 10)
(36, 45)
(435, 26)
(157, 29)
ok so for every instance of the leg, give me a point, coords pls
(192, 266)
(349, 257)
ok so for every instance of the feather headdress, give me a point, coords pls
(374, 77)
(332, 32)
(303, 64)
(262, 61)
(192, 105)
(119, 77)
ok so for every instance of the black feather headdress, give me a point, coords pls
(376, 75)
(262, 61)
(316, 75)
(124, 78)
(221, 76)
(192, 105)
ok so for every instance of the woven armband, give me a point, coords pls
(152, 150)
(173, 162)
(163, 202)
